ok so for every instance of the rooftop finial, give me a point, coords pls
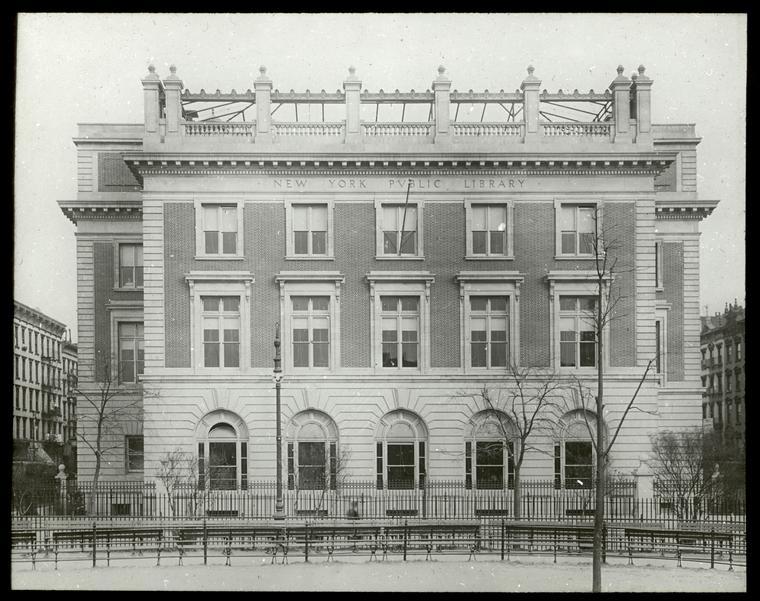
(263, 70)
(441, 70)
(352, 70)
(530, 69)
(152, 68)
(642, 68)
(620, 70)
(173, 69)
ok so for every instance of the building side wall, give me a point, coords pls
(644, 275)
(356, 408)
(444, 251)
(86, 308)
(673, 285)
(620, 221)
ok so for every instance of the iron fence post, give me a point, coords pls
(94, 543)
(405, 535)
(712, 547)
(502, 539)
(205, 542)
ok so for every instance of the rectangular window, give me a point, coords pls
(728, 382)
(311, 331)
(576, 225)
(489, 464)
(489, 329)
(15, 336)
(468, 465)
(400, 320)
(738, 350)
(221, 331)
(421, 462)
(220, 225)
(489, 230)
(557, 467)
(310, 229)
(658, 346)
(201, 465)
(134, 449)
(577, 331)
(658, 265)
(244, 466)
(729, 349)
(130, 266)
(18, 396)
(400, 465)
(291, 467)
(379, 465)
(131, 351)
(222, 465)
(578, 464)
(399, 229)
(311, 465)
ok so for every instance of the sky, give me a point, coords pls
(86, 68)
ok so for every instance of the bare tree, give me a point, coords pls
(333, 478)
(105, 416)
(605, 248)
(686, 469)
(179, 474)
(528, 404)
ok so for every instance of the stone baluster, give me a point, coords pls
(530, 88)
(441, 87)
(152, 92)
(172, 88)
(642, 89)
(621, 88)
(263, 88)
(353, 85)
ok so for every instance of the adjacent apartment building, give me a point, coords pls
(44, 403)
(408, 247)
(723, 373)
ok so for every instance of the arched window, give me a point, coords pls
(401, 451)
(222, 451)
(489, 451)
(313, 462)
(574, 458)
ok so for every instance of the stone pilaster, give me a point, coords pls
(642, 90)
(352, 85)
(621, 90)
(441, 87)
(530, 87)
(263, 87)
(173, 88)
(152, 91)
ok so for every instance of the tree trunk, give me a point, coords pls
(516, 496)
(600, 454)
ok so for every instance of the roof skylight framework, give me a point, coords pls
(466, 107)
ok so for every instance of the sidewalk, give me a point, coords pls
(357, 574)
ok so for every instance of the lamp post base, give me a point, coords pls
(279, 510)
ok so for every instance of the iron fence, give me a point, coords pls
(211, 541)
(439, 500)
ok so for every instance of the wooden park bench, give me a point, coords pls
(677, 540)
(107, 539)
(550, 536)
(226, 538)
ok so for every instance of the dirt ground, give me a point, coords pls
(446, 574)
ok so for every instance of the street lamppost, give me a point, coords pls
(279, 513)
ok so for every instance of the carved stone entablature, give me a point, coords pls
(696, 209)
(78, 211)
(369, 165)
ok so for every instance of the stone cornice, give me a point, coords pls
(147, 164)
(37, 318)
(688, 209)
(77, 211)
